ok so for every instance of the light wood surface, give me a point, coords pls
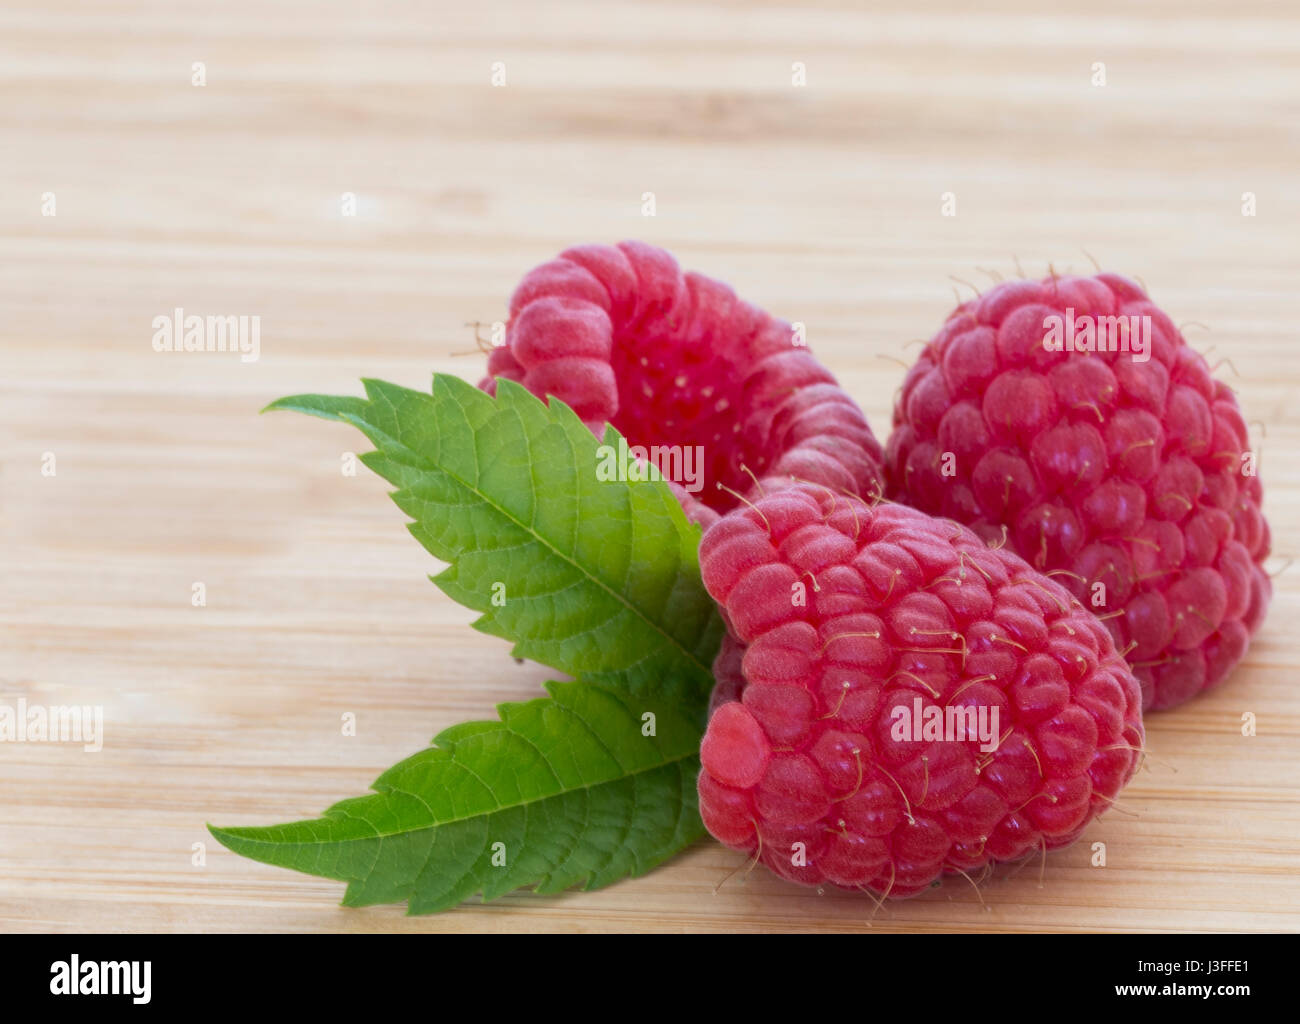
(821, 203)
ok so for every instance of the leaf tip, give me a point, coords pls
(243, 841)
(327, 407)
(224, 836)
(279, 403)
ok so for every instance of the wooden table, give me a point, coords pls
(823, 203)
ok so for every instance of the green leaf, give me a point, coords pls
(570, 786)
(327, 407)
(599, 578)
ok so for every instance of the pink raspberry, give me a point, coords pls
(621, 335)
(1103, 468)
(855, 625)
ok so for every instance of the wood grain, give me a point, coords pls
(821, 203)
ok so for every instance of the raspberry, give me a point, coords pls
(1101, 467)
(621, 335)
(845, 616)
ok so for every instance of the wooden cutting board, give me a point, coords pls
(823, 203)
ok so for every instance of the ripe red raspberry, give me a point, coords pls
(1102, 467)
(908, 612)
(621, 335)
